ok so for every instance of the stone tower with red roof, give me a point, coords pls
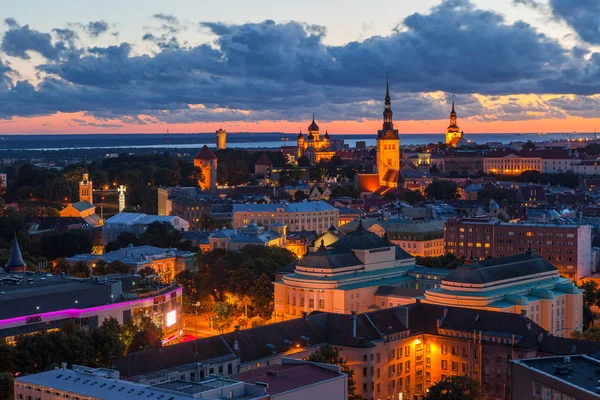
(206, 160)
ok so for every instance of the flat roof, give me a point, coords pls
(283, 378)
(579, 371)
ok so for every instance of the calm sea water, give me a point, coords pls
(234, 140)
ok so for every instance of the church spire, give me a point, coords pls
(453, 117)
(388, 124)
(452, 112)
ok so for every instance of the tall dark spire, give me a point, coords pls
(15, 261)
(452, 112)
(388, 124)
(453, 126)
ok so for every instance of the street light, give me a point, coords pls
(197, 304)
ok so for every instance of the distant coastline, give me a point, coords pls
(183, 141)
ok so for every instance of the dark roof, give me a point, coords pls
(143, 362)
(329, 259)
(288, 377)
(263, 160)
(205, 154)
(361, 239)
(497, 269)
(386, 290)
(313, 126)
(46, 223)
(564, 346)
(16, 259)
(83, 205)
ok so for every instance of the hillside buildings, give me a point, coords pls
(567, 247)
(522, 284)
(308, 215)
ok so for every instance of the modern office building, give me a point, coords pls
(570, 377)
(566, 246)
(308, 215)
(522, 284)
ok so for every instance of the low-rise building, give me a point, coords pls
(570, 377)
(166, 262)
(32, 303)
(308, 215)
(137, 223)
(81, 382)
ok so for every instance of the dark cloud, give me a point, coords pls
(96, 28)
(529, 3)
(583, 16)
(18, 40)
(284, 71)
(171, 19)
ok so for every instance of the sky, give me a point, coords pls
(136, 66)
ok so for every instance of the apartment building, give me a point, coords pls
(567, 247)
(395, 352)
(308, 215)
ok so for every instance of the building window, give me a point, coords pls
(444, 365)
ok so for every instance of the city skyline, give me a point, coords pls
(187, 68)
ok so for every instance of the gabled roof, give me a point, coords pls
(361, 239)
(205, 154)
(83, 205)
(263, 160)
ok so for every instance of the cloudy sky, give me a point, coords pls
(190, 66)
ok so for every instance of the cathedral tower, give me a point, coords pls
(453, 133)
(388, 147)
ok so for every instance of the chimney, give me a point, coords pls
(354, 318)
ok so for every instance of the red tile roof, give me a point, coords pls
(264, 160)
(205, 154)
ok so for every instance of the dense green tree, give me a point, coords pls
(145, 335)
(146, 272)
(492, 193)
(331, 355)
(161, 234)
(57, 190)
(65, 243)
(442, 190)
(412, 196)
(591, 293)
(108, 347)
(455, 387)
(7, 385)
(529, 145)
(446, 261)
(299, 195)
(303, 161)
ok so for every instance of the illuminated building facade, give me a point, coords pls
(308, 215)
(85, 189)
(521, 284)
(395, 353)
(313, 146)
(221, 139)
(388, 147)
(454, 136)
(514, 162)
(206, 160)
(45, 303)
(567, 247)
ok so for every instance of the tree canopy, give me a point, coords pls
(455, 388)
(331, 355)
(442, 190)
